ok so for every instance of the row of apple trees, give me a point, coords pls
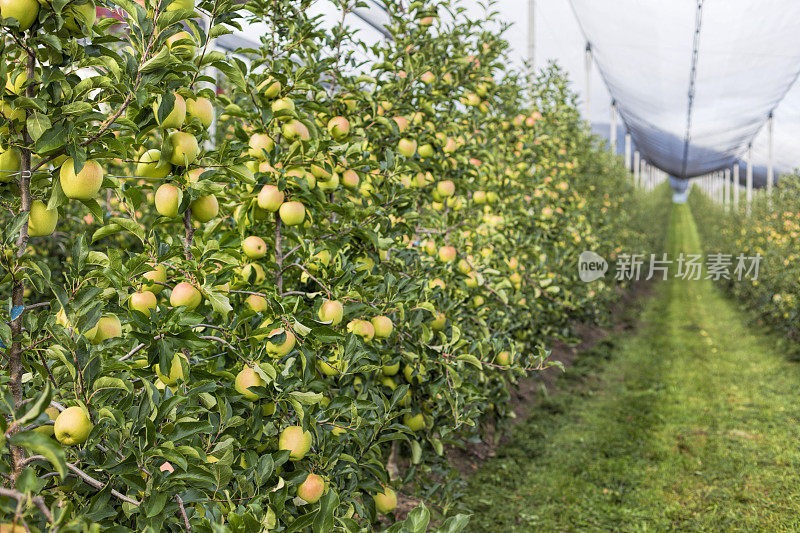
(265, 290)
(771, 231)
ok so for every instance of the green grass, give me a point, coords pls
(690, 423)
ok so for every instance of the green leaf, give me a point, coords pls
(323, 522)
(106, 382)
(38, 124)
(40, 444)
(219, 302)
(418, 519)
(454, 524)
(471, 359)
(38, 406)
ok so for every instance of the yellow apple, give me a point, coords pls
(149, 166)
(446, 188)
(10, 161)
(362, 328)
(294, 130)
(183, 45)
(447, 254)
(181, 5)
(175, 370)
(350, 179)
(386, 501)
(260, 145)
(256, 303)
(108, 327)
(201, 108)
(339, 128)
(270, 88)
(439, 322)
(383, 326)
(26, 12)
(204, 208)
(244, 380)
(185, 294)
(311, 489)
(143, 302)
(296, 441)
(277, 351)
(85, 14)
(407, 147)
(168, 199)
(414, 422)
(176, 117)
(254, 247)
(85, 184)
(41, 221)
(270, 198)
(184, 148)
(292, 213)
(331, 311)
(254, 271)
(72, 426)
(159, 273)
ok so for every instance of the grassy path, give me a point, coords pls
(688, 424)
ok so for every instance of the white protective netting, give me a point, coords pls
(747, 58)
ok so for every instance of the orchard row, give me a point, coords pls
(267, 290)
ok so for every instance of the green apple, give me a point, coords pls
(331, 312)
(48, 429)
(85, 184)
(85, 14)
(185, 294)
(446, 188)
(108, 327)
(383, 326)
(391, 370)
(149, 167)
(270, 88)
(41, 221)
(504, 358)
(362, 328)
(414, 422)
(254, 271)
(254, 247)
(175, 370)
(143, 302)
(426, 151)
(296, 441)
(10, 161)
(14, 82)
(439, 322)
(244, 380)
(402, 123)
(294, 130)
(386, 501)
(283, 106)
(26, 12)
(447, 254)
(331, 367)
(414, 372)
(292, 213)
(72, 426)
(464, 267)
(183, 45)
(260, 145)
(407, 147)
(270, 198)
(184, 148)
(277, 351)
(204, 208)
(201, 108)
(176, 117)
(159, 273)
(339, 128)
(181, 5)
(168, 199)
(311, 489)
(256, 303)
(350, 179)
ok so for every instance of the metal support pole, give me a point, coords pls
(749, 177)
(588, 68)
(771, 156)
(613, 133)
(531, 33)
(636, 169)
(628, 151)
(736, 184)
